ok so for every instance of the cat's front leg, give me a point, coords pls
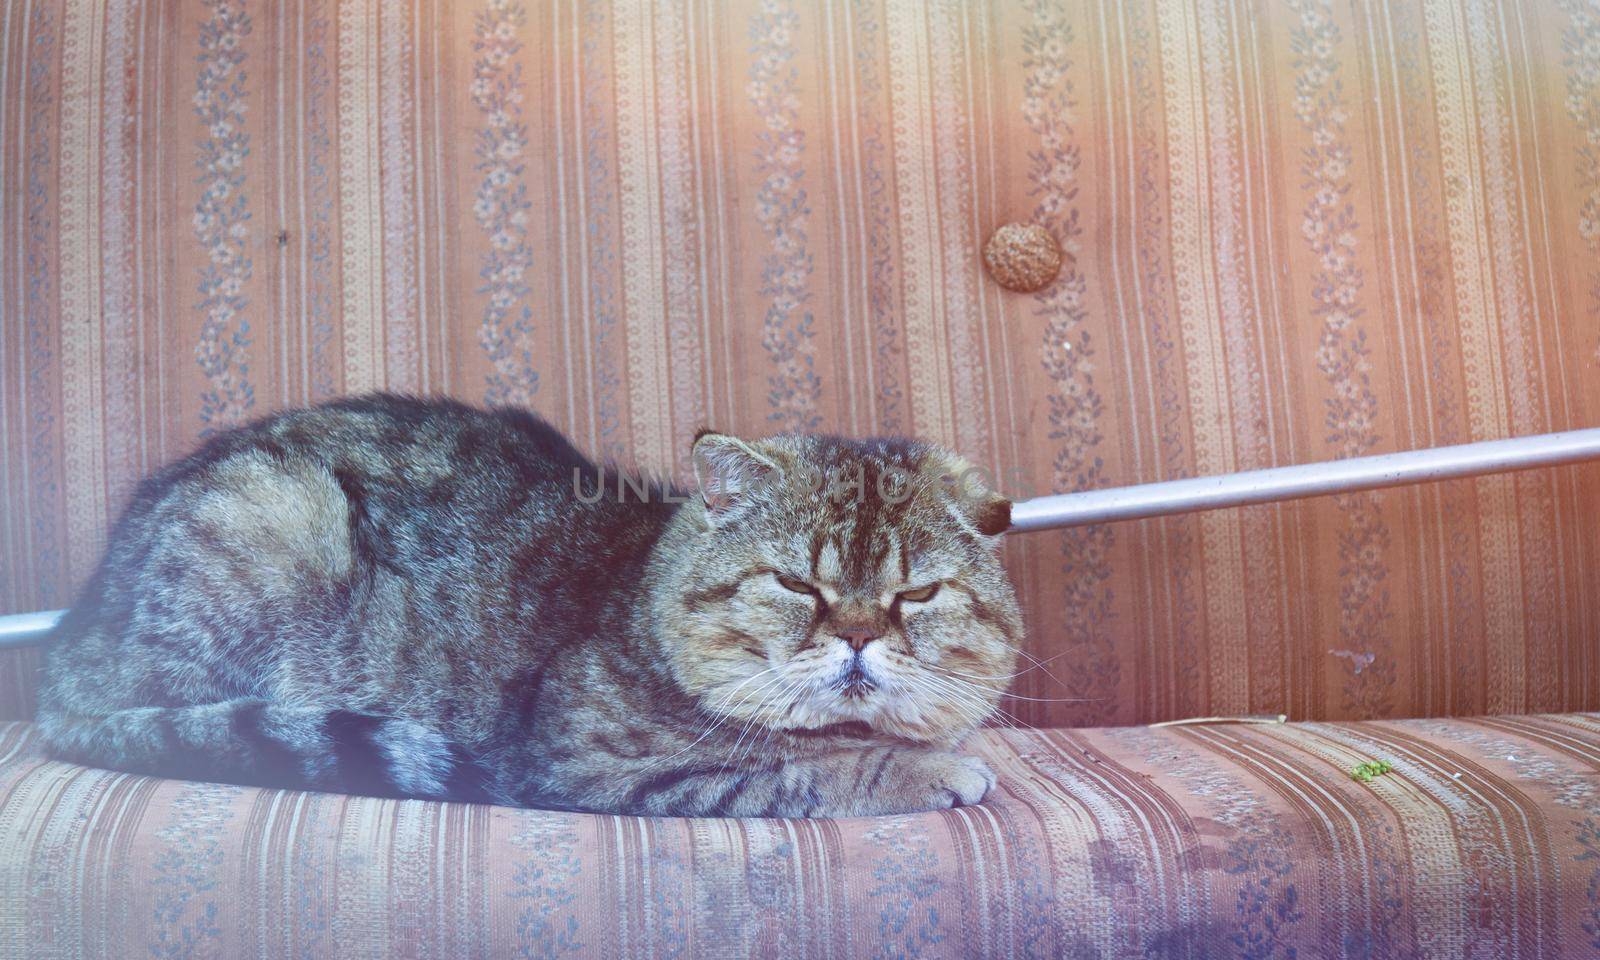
(869, 781)
(885, 780)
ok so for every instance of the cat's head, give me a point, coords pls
(829, 581)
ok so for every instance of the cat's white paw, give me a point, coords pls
(941, 781)
(969, 781)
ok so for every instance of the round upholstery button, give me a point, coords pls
(1022, 256)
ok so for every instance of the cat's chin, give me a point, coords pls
(841, 728)
(883, 728)
(878, 714)
(891, 726)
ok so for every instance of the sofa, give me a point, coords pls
(1365, 725)
(1207, 841)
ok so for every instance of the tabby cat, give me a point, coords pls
(395, 596)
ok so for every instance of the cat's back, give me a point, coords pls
(396, 439)
(396, 479)
(385, 452)
(301, 527)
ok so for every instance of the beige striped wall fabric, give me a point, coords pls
(1295, 230)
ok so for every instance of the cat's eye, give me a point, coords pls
(790, 583)
(919, 595)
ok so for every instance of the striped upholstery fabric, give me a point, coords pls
(1299, 230)
(1233, 841)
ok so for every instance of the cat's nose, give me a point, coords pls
(857, 637)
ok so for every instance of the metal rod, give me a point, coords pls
(1199, 493)
(1304, 480)
(27, 629)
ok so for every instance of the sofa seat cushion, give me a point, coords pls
(1199, 841)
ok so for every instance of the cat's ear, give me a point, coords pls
(992, 514)
(974, 501)
(987, 510)
(731, 474)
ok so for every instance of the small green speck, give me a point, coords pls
(1366, 771)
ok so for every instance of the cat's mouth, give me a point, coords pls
(854, 683)
(842, 728)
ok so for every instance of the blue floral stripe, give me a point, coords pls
(189, 873)
(222, 216)
(321, 291)
(1068, 354)
(45, 561)
(501, 203)
(782, 208)
(603, 276)
(1344, 355)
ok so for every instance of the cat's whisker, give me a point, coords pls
(784, 695)
(1007, 719)
(981, 706)
(754, 718)
(995, 710)
(717, 714)
(1037, 664)
(789, 700)
(953, 676)
(719, 717)
(758, 695)
(716, 708)
(973, 697)
(1003, 676)
(1018, 696)
(956, 698)
(972, 714)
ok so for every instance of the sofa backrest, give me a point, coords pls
(1293, 232)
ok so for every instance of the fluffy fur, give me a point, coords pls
(408, 597)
